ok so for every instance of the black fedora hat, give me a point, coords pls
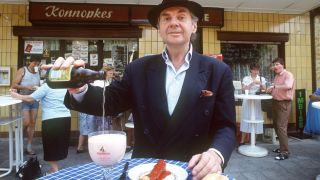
(154, 12)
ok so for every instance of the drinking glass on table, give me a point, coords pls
(107, 148)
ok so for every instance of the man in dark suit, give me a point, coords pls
(182, 102)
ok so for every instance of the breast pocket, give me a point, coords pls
(206, 105)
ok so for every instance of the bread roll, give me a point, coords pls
(215, 176)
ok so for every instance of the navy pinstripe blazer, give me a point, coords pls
(197, 123)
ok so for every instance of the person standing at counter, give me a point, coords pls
(282, 92)
(182, 102)
(253, 83)
(26, 82)
(56, 123)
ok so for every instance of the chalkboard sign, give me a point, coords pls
(240, 53)
(240, 56)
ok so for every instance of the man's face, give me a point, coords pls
(176, 26)
(277, 67)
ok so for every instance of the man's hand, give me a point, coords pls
(269, 89)
(205, 163)
(62, 63)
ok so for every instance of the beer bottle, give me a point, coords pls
(72, 77)
(261, 90)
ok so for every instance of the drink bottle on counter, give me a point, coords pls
(261, 90)
(72, 77)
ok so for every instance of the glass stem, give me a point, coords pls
(107, 172)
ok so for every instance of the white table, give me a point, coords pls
(11, 109)
(316, 104)
(253, 150)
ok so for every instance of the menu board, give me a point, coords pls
(240, 53)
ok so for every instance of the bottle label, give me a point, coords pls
(60, 75)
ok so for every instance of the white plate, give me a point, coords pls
(143, 169)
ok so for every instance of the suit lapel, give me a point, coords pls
(157, 99)
(195, 81)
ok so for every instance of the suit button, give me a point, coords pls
(146, 131)
(143, 108)
(206, 112)
(196, 135)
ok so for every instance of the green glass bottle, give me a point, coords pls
(72, 77)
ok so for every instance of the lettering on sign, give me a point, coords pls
(54, 11)
(206, 17)
(213, 17)
(45, 13)
(300, 108)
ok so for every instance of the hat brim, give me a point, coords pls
(154, 12)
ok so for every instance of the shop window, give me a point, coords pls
(119, 52)
(86, 50)
(96, 53)
(239, 56)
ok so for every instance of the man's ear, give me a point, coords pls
(195, 26)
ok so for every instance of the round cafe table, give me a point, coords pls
(253, 150)
(316, 104)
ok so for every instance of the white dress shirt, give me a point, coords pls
(175, 79)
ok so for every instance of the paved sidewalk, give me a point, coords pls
(303, 164)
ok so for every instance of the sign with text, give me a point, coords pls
(33, 47)
(81, 13)
(300, 109)
(66, 13)
(213, 17)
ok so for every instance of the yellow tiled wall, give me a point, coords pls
(298, 49)
(10, 15)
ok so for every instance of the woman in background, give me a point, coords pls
(56, 123)
(253, 83)
(26, 82)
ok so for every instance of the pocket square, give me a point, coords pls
(206, 93)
